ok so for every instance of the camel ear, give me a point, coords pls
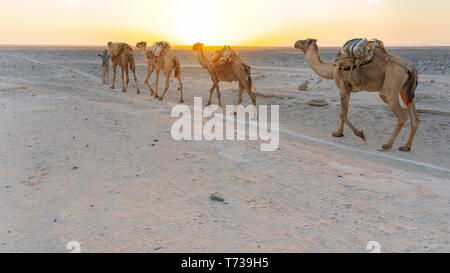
(311, 41)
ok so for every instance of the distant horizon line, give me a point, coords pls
(181, 46)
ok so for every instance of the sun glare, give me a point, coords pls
(195, 21)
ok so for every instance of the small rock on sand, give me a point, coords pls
(303, 86)
(318, 102)
(216, 197)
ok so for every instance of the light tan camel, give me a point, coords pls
(150, 64)
(390, 78)
(228, 72)
(166, 61)
(123, 58)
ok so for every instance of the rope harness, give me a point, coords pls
(387, 58)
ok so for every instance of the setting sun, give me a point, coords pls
(195, 21)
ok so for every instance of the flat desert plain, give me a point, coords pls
(81, 162)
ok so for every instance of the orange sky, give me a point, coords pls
(234, 22)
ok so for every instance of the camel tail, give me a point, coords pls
(250, 84)
(409, 89)
(248, 69)
(177, 66)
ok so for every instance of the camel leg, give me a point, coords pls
(216, 82)
(149, 74)
(167, 85)
(113, 86)
(211, 92)
(128, 78)
(156, 83)
(241, 89)
(181, 89)
(345, 101)
(340, 131)
(415, 121)
(219, 95)
(239, 101)
(252, 96)
(123, 81)
(398, 111)
(135, 79)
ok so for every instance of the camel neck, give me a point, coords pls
(202, 59)
(144, 54)
(324, 70)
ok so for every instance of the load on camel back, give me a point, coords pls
(116, 49)
(156, 49)
(358, 52)
(228, 55)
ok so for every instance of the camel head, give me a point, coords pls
(197, 47)
(305, 45)
(141, 45)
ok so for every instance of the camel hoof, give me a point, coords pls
(112, 87)
(160, 98)
(337, 134)
(361, 135)
(124, 90)
(386, 147)
(138, 92)
(181, 101)
(405, 149)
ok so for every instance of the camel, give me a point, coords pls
(124, 58)
(151, 66)
(166, 61)
(228, 72)
(391, 76)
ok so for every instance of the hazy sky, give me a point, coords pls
(244, 22)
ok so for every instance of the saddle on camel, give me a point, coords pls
(359, 52)
(156, 49)
(226, 55)
(116, 49)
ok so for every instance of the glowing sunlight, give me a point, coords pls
(195, 21)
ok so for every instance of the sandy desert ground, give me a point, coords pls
(81, 162)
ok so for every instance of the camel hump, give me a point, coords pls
(115, 49)
(158, 47)
(226, 55)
